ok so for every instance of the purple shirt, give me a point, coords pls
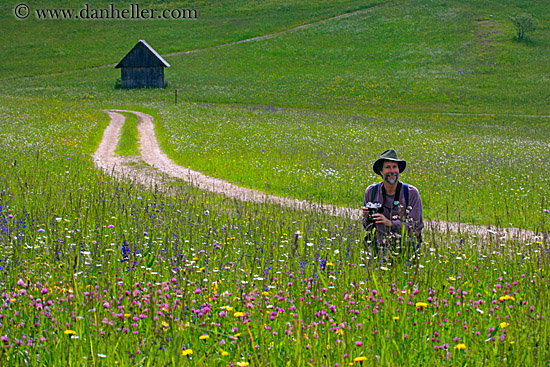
(408, 219)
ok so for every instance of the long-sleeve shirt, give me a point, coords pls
(409, 217)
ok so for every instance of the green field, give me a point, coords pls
(99, 271)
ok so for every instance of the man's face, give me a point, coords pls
(390, 172)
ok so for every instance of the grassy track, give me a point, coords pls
(127, 145)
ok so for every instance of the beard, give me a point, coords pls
(391, 178)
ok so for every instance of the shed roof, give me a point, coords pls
(142, 55)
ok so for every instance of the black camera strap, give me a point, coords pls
(395, 197)
(405, 192)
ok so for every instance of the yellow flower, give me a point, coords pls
(238, 314)
(421, 304)
(264, 293)
(228, 308)
(127, 315)
(164, 324)
(204, 336)
(242, 364)
(69, 332)
(396, 318)
(187, 352)
(507, 297)
(237, 335)
(330, 264)
(360, 359)
(460, 346)
(504, 324)
(224, 353)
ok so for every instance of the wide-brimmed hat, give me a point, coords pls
(388, 155)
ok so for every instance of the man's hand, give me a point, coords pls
(381, 219)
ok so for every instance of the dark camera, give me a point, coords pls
(373, 209)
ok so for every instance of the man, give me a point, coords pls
(397, 225)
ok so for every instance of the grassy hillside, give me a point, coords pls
(333, 96)
(399, 56)
(104, 272)
(44, 46)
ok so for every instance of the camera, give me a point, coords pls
(373, 208)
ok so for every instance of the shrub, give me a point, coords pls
(524, 23)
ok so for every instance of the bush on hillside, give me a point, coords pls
(524, 23)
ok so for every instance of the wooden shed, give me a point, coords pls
(142, 67)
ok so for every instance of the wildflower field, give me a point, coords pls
(104, 271)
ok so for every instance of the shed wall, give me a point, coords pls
(141, 77)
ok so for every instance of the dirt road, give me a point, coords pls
(160, 167)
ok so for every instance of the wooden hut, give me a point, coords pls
(142, 67)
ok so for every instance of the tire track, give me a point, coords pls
(162, 167)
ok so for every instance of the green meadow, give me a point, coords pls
(105, 271)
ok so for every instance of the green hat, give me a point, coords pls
(388, 155)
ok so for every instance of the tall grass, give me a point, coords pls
(492, 176)
(100, 271)
(114, 274)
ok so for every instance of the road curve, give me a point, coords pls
(151, 154)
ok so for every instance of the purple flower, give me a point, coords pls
(546, 211)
